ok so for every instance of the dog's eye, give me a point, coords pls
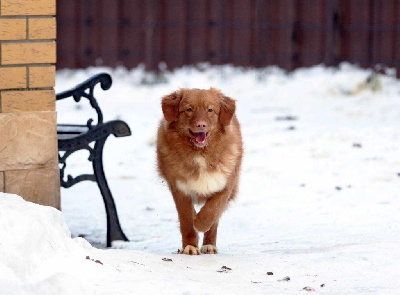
(189, 110)
(210, 110)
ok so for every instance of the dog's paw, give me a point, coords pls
(209, 249)
(200, 225)
(190, 250)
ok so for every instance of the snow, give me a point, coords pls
(318, 201)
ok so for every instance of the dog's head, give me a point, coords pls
(198, 113)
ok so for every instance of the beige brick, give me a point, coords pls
(40, 186)
(42, 76)
(12, 77)
(27, 101)
(12, 29)
(28, 141)
(28, 53)
(42, 28)
(1, 182)
(28, 7)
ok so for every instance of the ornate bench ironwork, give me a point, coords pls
(72, 138)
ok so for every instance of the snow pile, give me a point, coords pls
(38, 256)
(35, 245)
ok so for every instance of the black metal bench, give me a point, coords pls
(72, 138)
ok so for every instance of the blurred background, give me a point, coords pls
(250, 33)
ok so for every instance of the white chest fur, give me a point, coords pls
(205, 184)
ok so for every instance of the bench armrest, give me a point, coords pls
(86, 89)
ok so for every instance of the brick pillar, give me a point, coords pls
(28, 127)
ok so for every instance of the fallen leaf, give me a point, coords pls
(309, 289)
(285, 279)
(270, 273)
(286, 118)
(224, 269)
(166, 259)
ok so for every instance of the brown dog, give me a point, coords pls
(199, 152)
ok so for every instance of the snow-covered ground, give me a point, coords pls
(318, 202)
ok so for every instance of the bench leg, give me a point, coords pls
(114, 230)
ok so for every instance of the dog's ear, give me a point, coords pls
(170, 105)
(228, 107)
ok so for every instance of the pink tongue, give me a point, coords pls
(200, 137)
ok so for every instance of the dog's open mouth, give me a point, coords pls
(199, 138)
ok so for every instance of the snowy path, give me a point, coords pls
(319, 195)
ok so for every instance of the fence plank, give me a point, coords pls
(66, 34)
(153, 12)
(132, 27)
(268, 29)
(197, 37)
(311, 30)
(216, 31)
(242, 28)
(396, 40)
(383, 32)
(174, 34)
(356, 45)
(332, 44)
(286, 51)
(87, 34)
(110, 32)
(226, 32)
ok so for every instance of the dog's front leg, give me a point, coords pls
(212, 210)
(186, 214)
(210, 240)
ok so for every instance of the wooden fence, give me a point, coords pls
(250, 33)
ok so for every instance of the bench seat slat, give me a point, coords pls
(67, 136)
(71, 129)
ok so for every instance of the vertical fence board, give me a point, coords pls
(152, 34)
(396, 40)
(132, 33)
(225, 34)
(215, 31)
(286, 38)
(174, 33)
(332, 43)
(311, 31)
(383, 33)
(87, 24)
(110, 32)
(242, 27)
(266, 33)
(66, 38)
(78, 34)
(356, 45)
(197, 37)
